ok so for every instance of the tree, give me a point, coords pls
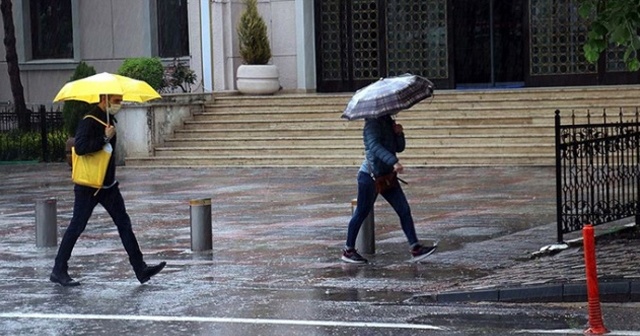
(252, 34)
(12, 65)
(616, 22)
(74, 110)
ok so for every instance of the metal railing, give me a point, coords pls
(44, 140)
(597, 169)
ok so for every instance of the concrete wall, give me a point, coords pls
(142, 127)
(280, 18)
(108, 31)
(105, 33)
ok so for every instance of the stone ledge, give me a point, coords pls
(612, 291)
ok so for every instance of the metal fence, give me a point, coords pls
(44, 140)
(597, 169)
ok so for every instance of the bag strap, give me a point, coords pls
(373, 177)
(96, 119)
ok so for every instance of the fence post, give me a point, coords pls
(201, 239)
(559, 215)
(43, 133)
(637, 164)
(366, 239)
(46, 223)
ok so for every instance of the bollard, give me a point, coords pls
(366, 239)
(596, 326)
(201, 224)
(46, 223)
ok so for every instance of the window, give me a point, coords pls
(51, 29)
(173, 28)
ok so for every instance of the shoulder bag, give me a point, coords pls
(385, 182)
(90, 169)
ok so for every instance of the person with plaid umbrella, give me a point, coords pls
(383, 138)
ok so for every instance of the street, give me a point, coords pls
(274, 268)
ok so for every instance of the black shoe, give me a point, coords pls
(352, 256)
(419, 252)
(63, 279)
(148, 271)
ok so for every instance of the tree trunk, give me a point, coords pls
(12, 66)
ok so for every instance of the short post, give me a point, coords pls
(201, 224)
(596, 326)
(366, 239)
(46, 223)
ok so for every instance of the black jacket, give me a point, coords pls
(381, 144)
(90, 138)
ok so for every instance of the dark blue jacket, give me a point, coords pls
(90, 138)
(381, 144)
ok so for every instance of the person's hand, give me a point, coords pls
(109, 132)
(398, 168)
(397, 128)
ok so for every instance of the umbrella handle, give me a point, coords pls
(107, 109)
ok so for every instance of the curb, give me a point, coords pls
(610, 291)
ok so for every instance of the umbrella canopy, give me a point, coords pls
(388, 96)
(90, 88)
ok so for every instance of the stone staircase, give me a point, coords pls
(510, 127)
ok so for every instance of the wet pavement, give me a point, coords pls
(278, 233)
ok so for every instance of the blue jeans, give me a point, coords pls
(86, 200)
(367, 197)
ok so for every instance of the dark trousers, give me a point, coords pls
(367, 197)
(86, 200)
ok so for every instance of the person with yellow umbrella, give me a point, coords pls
(96, 132)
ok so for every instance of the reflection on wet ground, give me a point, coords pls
(277, 239)
(279, 227)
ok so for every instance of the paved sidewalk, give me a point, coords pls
(557, 276)
(284, 228)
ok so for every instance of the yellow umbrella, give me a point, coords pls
(90, 88)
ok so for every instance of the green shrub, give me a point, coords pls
(179, 76)
(57, 142)
(20, 146)
(148, 69)
(252, 36)
(74, 110)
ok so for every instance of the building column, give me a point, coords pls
(207, 56)
(306, 45)
(222, 40)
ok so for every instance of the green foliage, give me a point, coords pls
(148, 69)
(20, 146)
(616, 22)
(252, 36)
(56, 142)
(179, 76)
(73, 110)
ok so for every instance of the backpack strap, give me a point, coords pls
(96, 119)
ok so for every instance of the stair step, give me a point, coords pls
(338, 160)
(522, 94)
(352, 150)
(497, 130)
(356, 141)
(201, 123)
(419, 112)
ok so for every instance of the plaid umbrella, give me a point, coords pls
(388, 96)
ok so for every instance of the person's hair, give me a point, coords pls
(104, 96)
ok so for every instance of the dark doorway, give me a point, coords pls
(488, 43)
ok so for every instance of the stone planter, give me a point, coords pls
(258, 79)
